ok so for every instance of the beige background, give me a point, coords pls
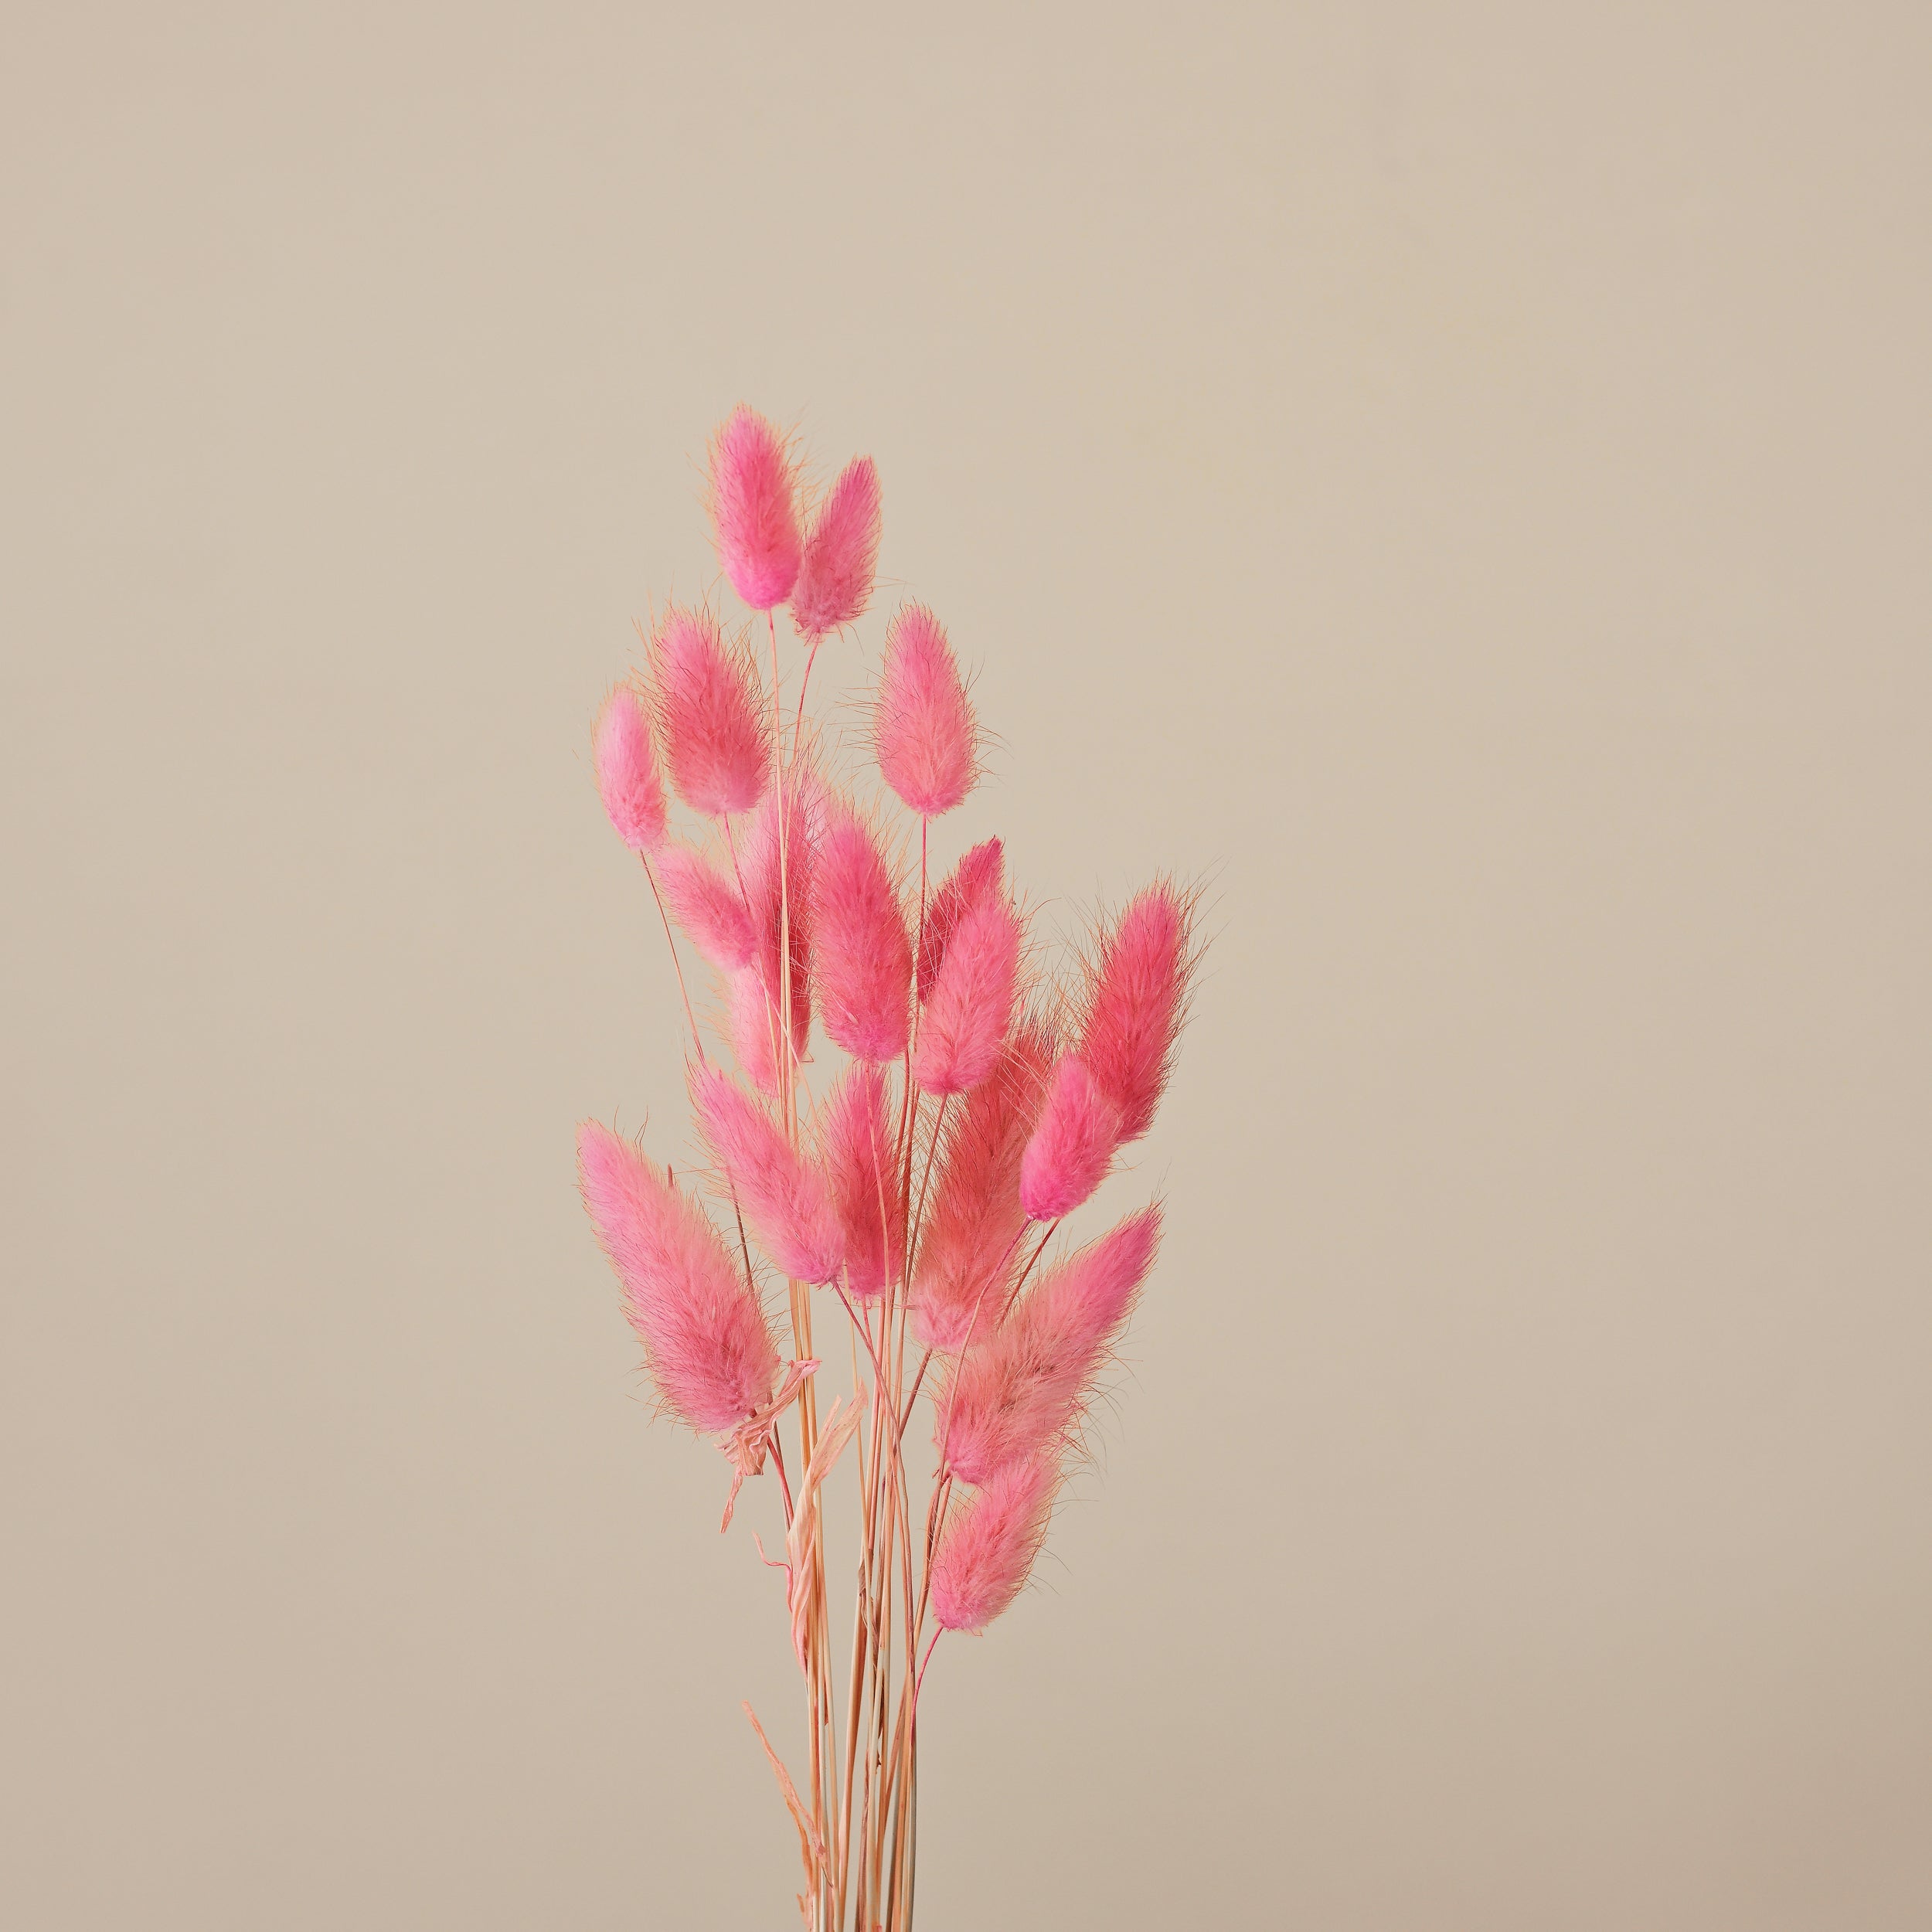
(1460, 473)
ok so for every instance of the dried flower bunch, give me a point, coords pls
(979, 1102)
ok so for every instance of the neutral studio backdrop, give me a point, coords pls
(1458, 475)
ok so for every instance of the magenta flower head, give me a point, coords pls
(969, 1245)
(864, 957)
(709, 721)
(627, 780)
(1137, 1003)
(986, 1549)
(857, 1147)
(753, 510)
(784, 1196)
(964, 1022)
(1073, 1145)
(842, 554)
(979, 872)
(922, 726)
(1025, 1390)
(705, 1336)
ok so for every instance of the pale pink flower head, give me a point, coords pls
(1025, 1391)
(708, 906)
(753, 509)
(978, 873)
(1136, 1002)
(627, 780)
(706, 1338)
(842, 554)
(709, 721)
(986, 1549)
(969, 1245)
(965, 1020)
(857, 1148)
(863, 955)
(784, 1198)
(926, 737)
(1073, 1145)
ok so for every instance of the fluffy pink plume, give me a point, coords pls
(784, 1198)
(708, 906)
(842, 554)
(1025, 1389)
(979, 872)
(778, 876)
(857, 1147)
(627, 780)
(863, 957)
(709, 720)
(1136, 1004)
(705, 1336)
(924, 728)
(752, 1021)
(986, 1549)
(969, 1247)
(1073, 1145)
(753, 509)
(964, 1022)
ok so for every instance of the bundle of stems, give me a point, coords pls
(979, 1102)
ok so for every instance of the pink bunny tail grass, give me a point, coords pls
(969, 1250)
(753, 1024)
(1073, 1145)
(924, 728)
(754, 509)
(710, 719)
(1024, 1390)
(707, 905)
(986, 1550)
(706, 1338)
(863, 957)
(979, 873)
(779, 882)
(964, 1022)
(1138, 1003)
(783, 1197)
(856, 1148)
(627, 769)
(841, 555)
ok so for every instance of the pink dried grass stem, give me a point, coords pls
(777, 867)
